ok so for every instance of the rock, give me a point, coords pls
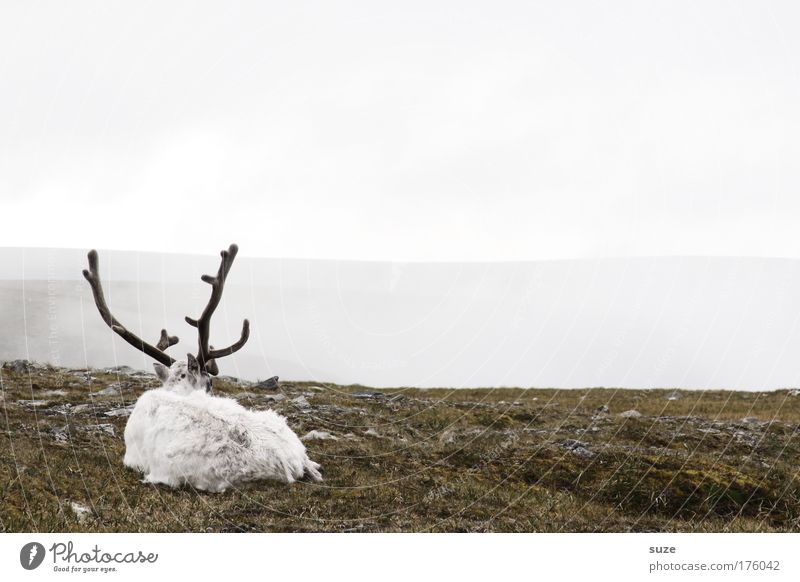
(602, 409)
(630, 414)
(61, 434)
(318, 435)
(674, 396)
(334, 409)
(268, 384)
(316, 389)
(368, 395)
(106, 428)
(69, 408)
(114, 389)
(122, 370)
(80, 511)
(573, 443)
(578, 448)
(709, 430)
(84, 376)
(260, 397)
(246, 395)
(18, 366)
(795, 392)
(53, 393)
(582, 452)
(751, 420)
(301, 402)
(372, 432)
(124, 411)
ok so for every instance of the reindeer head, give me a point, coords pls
(196, 372)
(183, 377)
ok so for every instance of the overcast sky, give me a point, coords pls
(402, 130)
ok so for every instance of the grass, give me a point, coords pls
(510, 460)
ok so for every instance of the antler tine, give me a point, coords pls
(214, 354)
(206, 355)
(166, 340)
(92, 275)
(212, 368)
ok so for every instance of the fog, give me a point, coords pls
(663, 322)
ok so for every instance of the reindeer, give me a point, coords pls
(180, 434)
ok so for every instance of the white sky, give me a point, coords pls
(402, 130)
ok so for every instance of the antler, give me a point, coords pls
(156, 352)
(207, 354)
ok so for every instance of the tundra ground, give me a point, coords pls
(403, 459)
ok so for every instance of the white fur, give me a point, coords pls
(179, 434)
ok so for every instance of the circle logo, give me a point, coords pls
(31, 555)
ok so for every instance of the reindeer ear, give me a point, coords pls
(194, 365)
(161, 371)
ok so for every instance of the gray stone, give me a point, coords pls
(18, 366)
(301, 402)
(630, 414)
(334, 409)
(246, 395)
(84, 376)
(582, 452)
(106, 428)
(124, 411)
(69, 408)
(268, 384)
(573, 443)
(114, 389)
(81, 511)
(123, 370)
(369, 395)
(578, 448)
(61, 434)
(318, 435)
(259, 397)
(709, 430)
